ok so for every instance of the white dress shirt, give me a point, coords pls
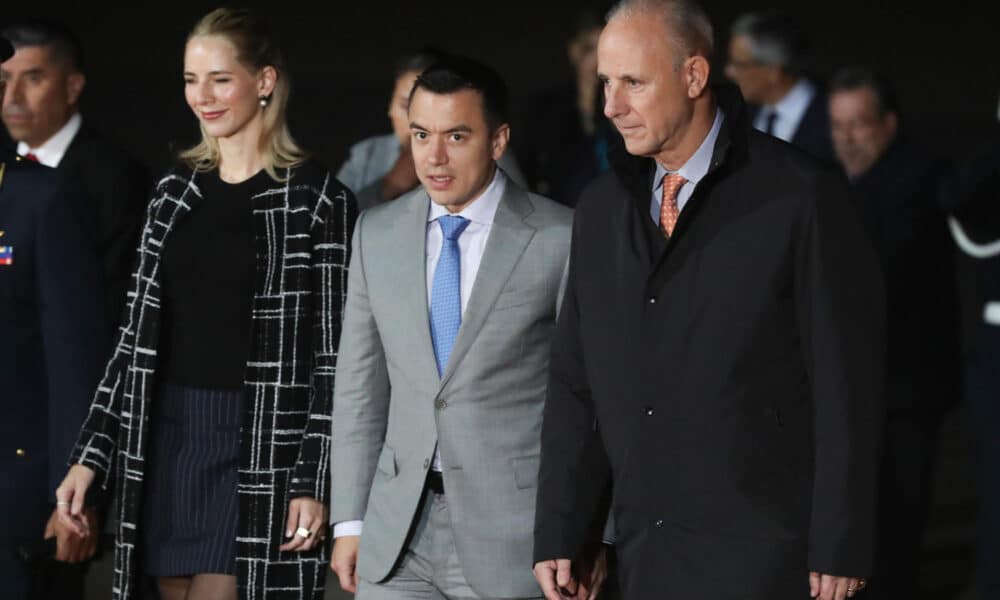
(51, 152)
(471, 245)
(692, 171)
(789, 109)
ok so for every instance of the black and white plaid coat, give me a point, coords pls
(302, 229)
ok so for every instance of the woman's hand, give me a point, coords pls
(70, 496)
(306, 525)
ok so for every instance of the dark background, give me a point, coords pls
(341, 55)
(942, 58)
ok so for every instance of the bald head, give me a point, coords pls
(684, 24)
(655, 94)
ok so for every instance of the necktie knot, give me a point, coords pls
(671, 183)
(452, 226)
(31, 156)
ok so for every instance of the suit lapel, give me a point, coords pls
(75, 149)
(509, 237)
(408, 270)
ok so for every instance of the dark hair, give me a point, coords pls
(66, 47)
(775, 39)
(417, 61)
(456, 73)
(850, 79)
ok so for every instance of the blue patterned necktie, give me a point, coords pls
(446, 293)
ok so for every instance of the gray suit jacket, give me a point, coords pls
(371, 158)
(391, 408)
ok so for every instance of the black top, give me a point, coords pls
(208, 269)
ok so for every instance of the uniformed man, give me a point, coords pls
(53, 340)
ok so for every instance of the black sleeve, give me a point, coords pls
(574, 472)
(127, 194)
(841, 314)
(334, 219)
(71, 311)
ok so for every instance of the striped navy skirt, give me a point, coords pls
(190, 509)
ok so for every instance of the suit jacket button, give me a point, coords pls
(652, 300)
(20, 452)
(649, 411)
(658, 523)
(440, 403)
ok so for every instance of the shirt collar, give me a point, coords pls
(482, 209)
(796, 101)
(52, 151)
(697, 166)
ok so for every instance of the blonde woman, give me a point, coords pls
(212, 421)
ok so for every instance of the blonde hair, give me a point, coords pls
(255, 50)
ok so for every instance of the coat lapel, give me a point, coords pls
(76, 149)
(409, 272)
(177, 204)
(508, 239)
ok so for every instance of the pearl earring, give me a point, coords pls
(263, 101)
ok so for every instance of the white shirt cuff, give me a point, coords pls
(347, 528)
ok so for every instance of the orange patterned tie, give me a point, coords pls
(668, 207)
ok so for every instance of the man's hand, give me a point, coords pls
(72, 547)
(401, 178)
(343, 561)
(556, 579)
(828, 587)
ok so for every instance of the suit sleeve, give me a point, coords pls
(72, 323)
(334, 219)
(95, 446)
(128, 189)
(574, 472)
(361, 396)
(370, 195)
(841, 314)
(353, 174)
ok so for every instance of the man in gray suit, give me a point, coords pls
(442, 369)
(380, 168)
